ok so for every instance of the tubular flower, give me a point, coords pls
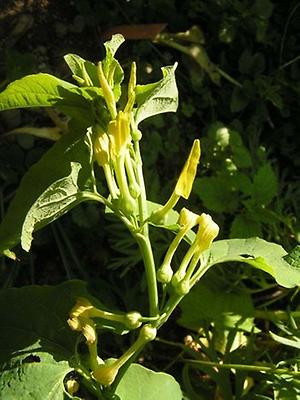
(186, 179)
(131, 89)
(101, 149)
(119, 133)
(187, 219)
(107, 91)
(184, 184)
(105, 374)
(207, 232)
(80, 321)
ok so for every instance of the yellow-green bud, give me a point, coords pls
(164, 273)
(183, 287)
(126, 205)
(187, 219)
(133, 320)
(136, 135)
(147, 333)
(134, 190)
(177, 278)
(72, 386)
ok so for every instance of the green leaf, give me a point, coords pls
(39, 90)
(258, 253)
(41, 378)
(245, 62)
(217, 193)
(239, 100)
(60, 165)
(112, 45)
(293, 257)
(286, 390)
(140, 383)
(240, 154)
(263, 8)
(44, 90)
(157, 98)
(292, 341)
(55, 201)
(265, 185)
(111, 67)
(81, 67)
(36, 343)
(245, 226)
(226, 310)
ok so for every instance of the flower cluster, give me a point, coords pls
(113, 148)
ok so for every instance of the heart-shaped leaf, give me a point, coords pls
(140, 383)
(269, 257)
(37, 344)
(40, 198)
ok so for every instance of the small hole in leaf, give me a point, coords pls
(246, 256)
(31, 359)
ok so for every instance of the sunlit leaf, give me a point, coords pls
(140, 383)
(157, 98)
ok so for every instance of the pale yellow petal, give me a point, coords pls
(186, 179)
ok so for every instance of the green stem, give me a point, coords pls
(110, 180)
(173, 302)
(228, 77)
(89, 383)
(146, 250)
(143, 237)
(122, 178)
(243, 367)
(143, 209)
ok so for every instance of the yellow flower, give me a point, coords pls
(184, 184)
(187, 219)
(186, 179)
(79, 320)
(101, 149)
(208, 230)
(119, 133)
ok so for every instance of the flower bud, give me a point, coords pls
(72, 386)
(136, 135)
(147, 333)
(134, 190)
(183, 287)
(132, 320)
(187, 219)
(177, 278)
(164, 273)
(126, 205)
